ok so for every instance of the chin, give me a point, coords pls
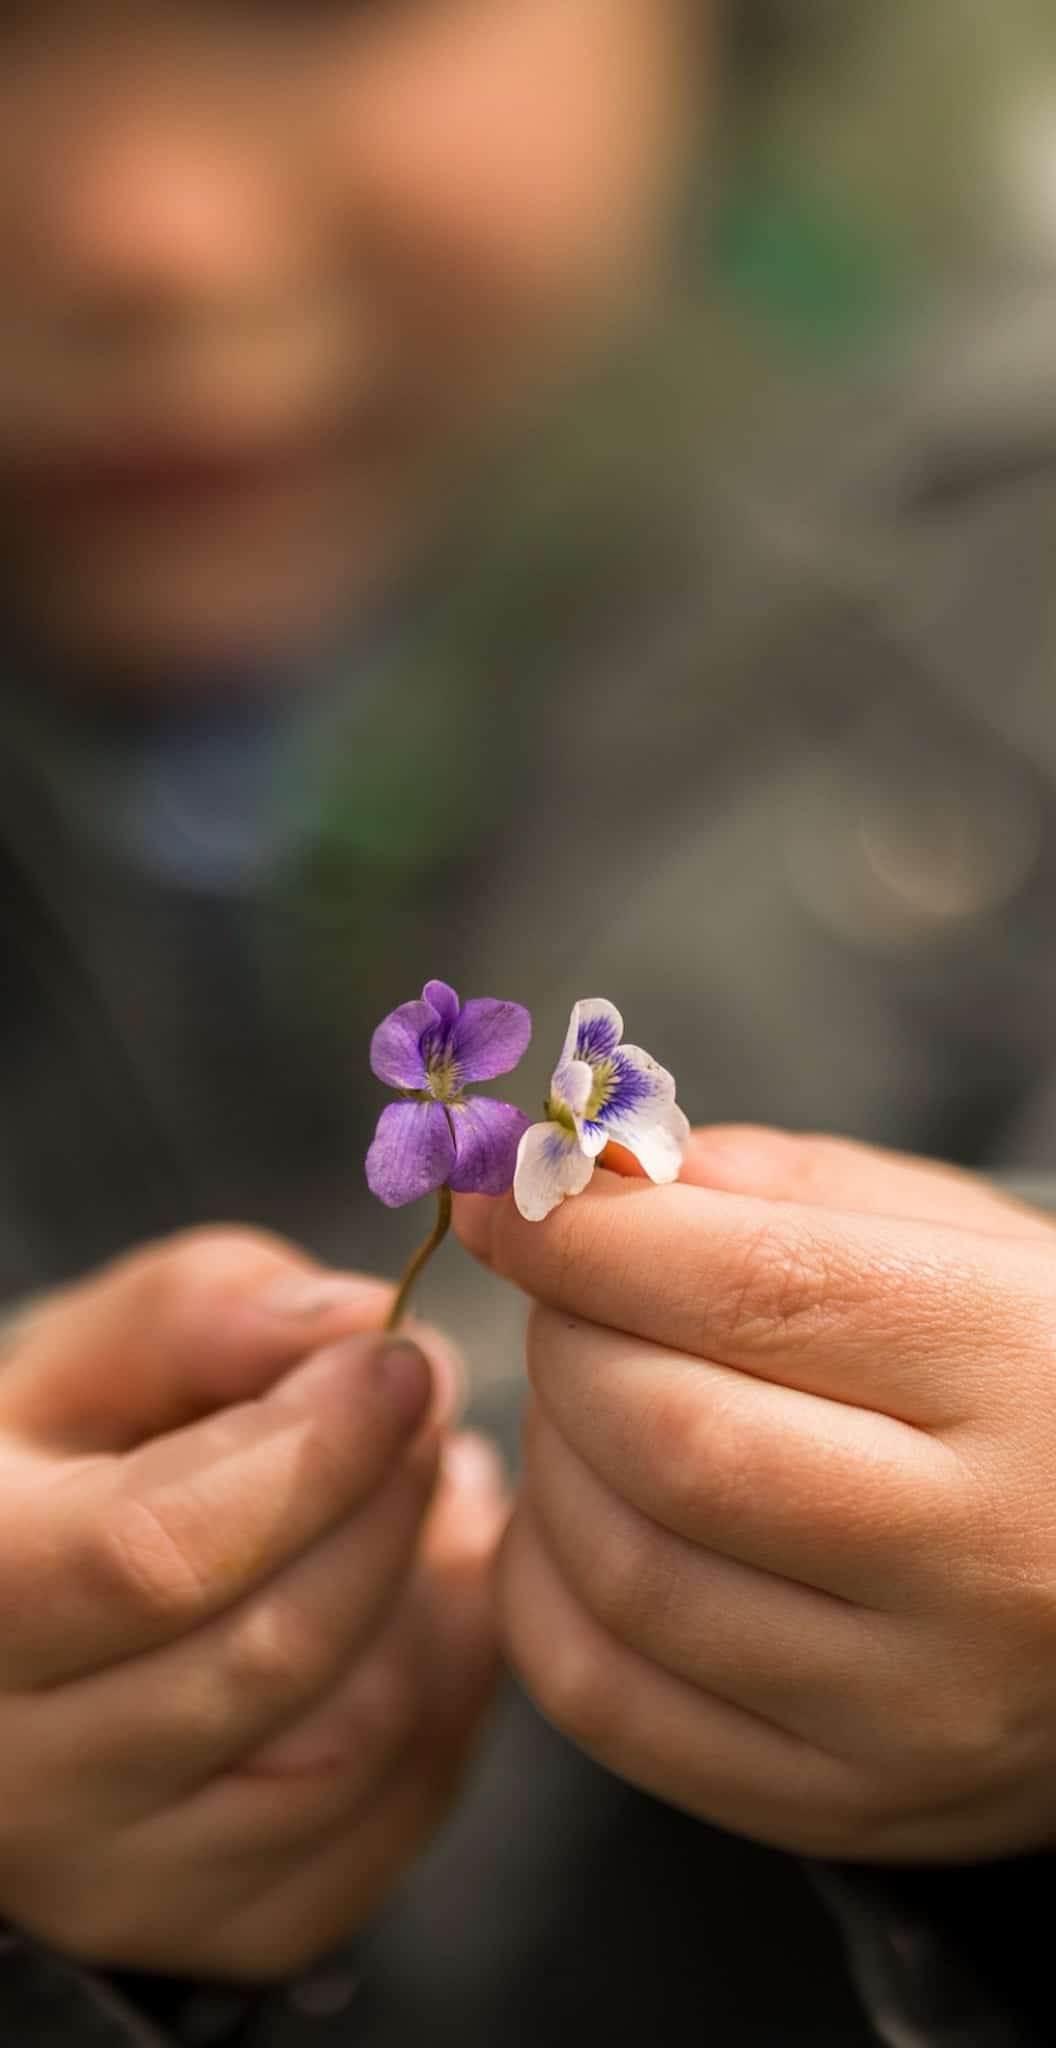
(148, 627)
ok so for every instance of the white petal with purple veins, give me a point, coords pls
(650, 1069)
(412, 1155)
(595, 1030)
(550, 1165)
(572, 1086)
(487, 1135)
(657, 1132)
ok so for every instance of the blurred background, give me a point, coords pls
(558, 497)
(660, 606)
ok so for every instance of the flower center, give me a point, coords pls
(557, 1112)
(443, 1079)
(605, 1083)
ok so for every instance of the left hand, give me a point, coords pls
(785, 1552)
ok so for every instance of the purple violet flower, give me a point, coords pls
(601, 1090)
(435, 1137)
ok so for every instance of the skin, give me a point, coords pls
(781, 1554)
(248, 1634)
(324, 234)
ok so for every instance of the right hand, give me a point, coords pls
(245, 1636)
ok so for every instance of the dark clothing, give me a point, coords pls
(781, 784)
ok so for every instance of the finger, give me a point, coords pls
(121, 1554)
(906, 1319)
(365, 1779)
(676, 1741)
(439, 1642)
(257, 1877)
(836, 1173)
(819, 1667)
(319, 1654)
(768, 1476)
(299, 1900)
(172, 1332)
(147, 1732)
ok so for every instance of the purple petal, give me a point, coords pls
(396, 1055)
(444, 1001)
(489, 1038)
(412, 1154)
(487, 1135)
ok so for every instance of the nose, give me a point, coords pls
(150, 198)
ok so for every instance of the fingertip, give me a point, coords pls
(474, 1466)
(450, 1377)
(474, 1218)
(471, 1508)
(617, 1159)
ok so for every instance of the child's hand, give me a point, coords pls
(235, 1685)
(786, 1548)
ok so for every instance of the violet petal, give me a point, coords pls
(487, 1135)
(396, 1055)
(444, 1001)
(489, 1038)
(412, 1154)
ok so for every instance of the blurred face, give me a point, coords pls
(268, 268)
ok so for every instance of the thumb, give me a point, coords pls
(837, 1173)
(171, 1332)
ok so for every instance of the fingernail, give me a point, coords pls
(301, 1297)
(474, 1465)
(405, 1380)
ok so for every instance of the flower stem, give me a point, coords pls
(421, 1258)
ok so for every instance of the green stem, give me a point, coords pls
(421, 1258)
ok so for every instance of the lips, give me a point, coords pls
(167, 472)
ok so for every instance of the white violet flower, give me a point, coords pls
(601, 1090)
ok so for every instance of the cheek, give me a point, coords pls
(521, 156)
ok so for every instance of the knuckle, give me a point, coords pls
(780, 1289)
(621, 1589)
(689, 1460)
(222, 1245)
(574, 1686)
(167, 1279)
(385, 1707)
(138, 1560)
(278, 1653)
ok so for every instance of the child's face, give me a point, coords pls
(267, 266)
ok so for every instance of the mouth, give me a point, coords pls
(179, 474)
